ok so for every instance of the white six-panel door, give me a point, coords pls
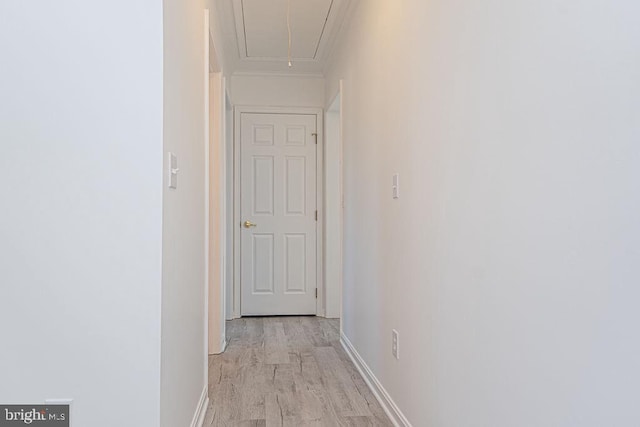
(278, 214)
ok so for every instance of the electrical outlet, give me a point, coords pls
(395, 344)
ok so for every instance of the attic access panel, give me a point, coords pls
(263, 23)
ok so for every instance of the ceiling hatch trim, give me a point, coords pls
(261, 29)
(324, 27)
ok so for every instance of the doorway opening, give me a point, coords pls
(278, 245)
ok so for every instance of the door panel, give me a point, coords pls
(262, 264)
(263, 176)
(296, 188)
(278, 199)
(295, 263)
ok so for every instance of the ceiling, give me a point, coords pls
(255, 35)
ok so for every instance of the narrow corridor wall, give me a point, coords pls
(81, 207)
(184, 362)
(509, 264)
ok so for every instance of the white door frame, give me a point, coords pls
(215, 91)
(217, 221)
(207, 68)
(318, 112)
(331, 157)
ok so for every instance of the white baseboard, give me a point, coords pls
(393, 412)
(201, 410)
(220, 349)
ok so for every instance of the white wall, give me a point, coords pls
(183, 376)
(277, 91)
(81, 207)
(510, 263)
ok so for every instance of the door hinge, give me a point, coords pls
(316, 293)
(316, 215)
(316, 135)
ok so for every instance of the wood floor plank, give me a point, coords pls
(357, 421)
(252, 382)
(375, 408)
(315, 332)
(275, 343)
(224, 403)
(343, 389)
(307, 374)
(280, 378)
(288, 371)
(297, 337)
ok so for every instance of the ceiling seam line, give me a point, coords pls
(244, 30)
(315, 54)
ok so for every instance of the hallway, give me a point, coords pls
(288, 371)
(457, 181)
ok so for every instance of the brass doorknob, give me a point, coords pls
(249, 224)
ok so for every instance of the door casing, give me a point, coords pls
(318, 112)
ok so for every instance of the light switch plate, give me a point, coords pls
(395, 186)
(395, 344)
(173, 171)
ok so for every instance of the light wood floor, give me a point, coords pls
(288, 371)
